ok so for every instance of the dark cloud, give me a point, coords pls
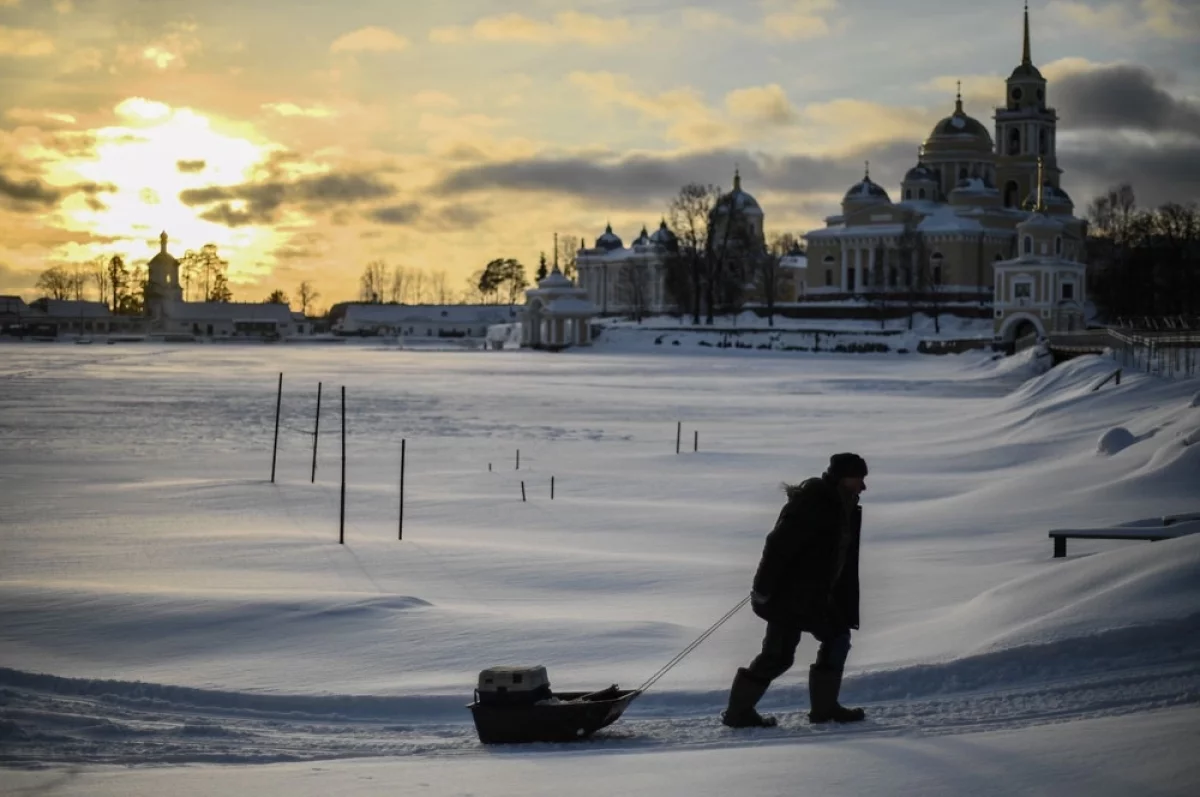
(263, 200)
(1159, 173)
(1123, 97)
(32, 195)
(190, 166)
(646, 180)
(397, 214)
(28, 192)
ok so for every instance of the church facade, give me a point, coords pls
(953, 233)
(955, 229)
(169, 314)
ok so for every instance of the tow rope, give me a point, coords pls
(680, 656)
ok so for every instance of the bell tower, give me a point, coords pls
(1026, 130)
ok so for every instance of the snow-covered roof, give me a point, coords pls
(1040, 221)
(945, 219)
(570, 306)
(394, 314)
(238, 311)
(609, 240)
(974, 185)
(555, 279)
(66, 308)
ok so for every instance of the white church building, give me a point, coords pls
(171, 315)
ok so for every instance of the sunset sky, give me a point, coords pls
(308, 137)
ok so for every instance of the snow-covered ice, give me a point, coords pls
(172, 621)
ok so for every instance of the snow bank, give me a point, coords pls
(1115, 440)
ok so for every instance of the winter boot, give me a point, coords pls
(744, 695)
(823, 689)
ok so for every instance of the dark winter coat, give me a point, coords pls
(800, 559)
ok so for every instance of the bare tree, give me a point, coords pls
(418, 282)
(400, 285)
(306, 295)
(372, 282)
(474, 293)
(689, 215)
(55, 283)
(633, 288)
(277, 297)
(118, 278)
(437, 284)
(769, 273)
(98, 273)
(567, 255)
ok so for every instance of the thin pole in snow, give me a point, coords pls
(275, 445)
(551, 488)
(522, 490)
(696, 440)
(316, 432)
(518, 459)
(342, 512)
(403, 443)
(678, 432)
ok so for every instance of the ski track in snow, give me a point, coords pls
(52, 721)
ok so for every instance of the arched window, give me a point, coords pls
(920, 193)
(908, 193)
(1042, 141)
(1010, 194)
(962, 173)
(1027, 245)
(1014, 141)
(892, 276)
(1058, 245)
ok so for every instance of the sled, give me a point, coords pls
(516, 705)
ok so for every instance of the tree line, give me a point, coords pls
(1143, 262)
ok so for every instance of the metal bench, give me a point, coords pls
(1166, 528)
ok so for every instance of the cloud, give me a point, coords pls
(24, 43)
(291, 109)
(1159, 172)
(434, 99)
(793, 20)
(762, 105)
(31, 191)
(259, 203)
(33, 195)
(1167, 19)
(41, 118)
(566, 27)
(1124, 97)
(397, 214)
(689, 120)
(369, 40)
(190, 166)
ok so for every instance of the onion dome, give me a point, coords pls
(959, 131)
(866, 190)
(163, 257)
(1053, 198)
(643, 239)
(663, 235)
(609, 240)
(738, 199)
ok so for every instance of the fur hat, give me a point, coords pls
(847, 465)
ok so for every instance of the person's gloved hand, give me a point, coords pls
(758, 598)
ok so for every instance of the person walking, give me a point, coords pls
(807, 580)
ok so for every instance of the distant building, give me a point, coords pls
(421, 320)
(971, 211)
(170, 314)
(557, 314)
